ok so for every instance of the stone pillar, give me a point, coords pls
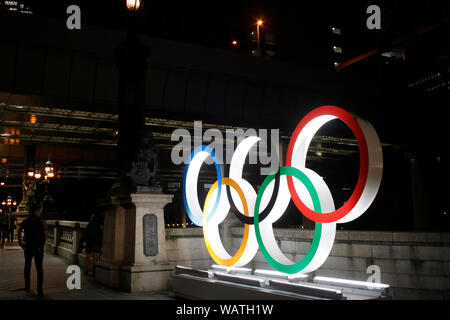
(76, 237)
(134, 243)
(113, 240)
(134, 246)
(147, 265)
(56, 237)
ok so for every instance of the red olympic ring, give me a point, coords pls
(352, 123)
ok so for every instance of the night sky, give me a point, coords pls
(301, 31)
(300, 28)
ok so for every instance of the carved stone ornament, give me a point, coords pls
(140, 173)
(143, 170)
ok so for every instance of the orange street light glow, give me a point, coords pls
(234, 42)
(260, 22)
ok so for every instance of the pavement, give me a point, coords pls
(12, 281)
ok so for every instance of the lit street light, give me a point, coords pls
(259, 23)
(133, 5)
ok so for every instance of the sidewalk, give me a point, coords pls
(55, 277)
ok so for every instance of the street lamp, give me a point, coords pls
(48, 173)
(30, 173)
(48, 166)
(37, 175)
(259, 24)
(9, 204)
(134, 5)
(49, 170)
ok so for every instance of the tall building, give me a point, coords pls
(17, 6)
(337, 46)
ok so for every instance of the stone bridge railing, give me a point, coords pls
(416, 265)
(64, 239)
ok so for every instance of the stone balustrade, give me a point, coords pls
(415, 264)
(64, 239)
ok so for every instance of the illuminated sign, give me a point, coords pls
(258, 210)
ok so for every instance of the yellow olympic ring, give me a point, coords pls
(231, 261)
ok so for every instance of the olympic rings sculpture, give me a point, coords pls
(309, 192)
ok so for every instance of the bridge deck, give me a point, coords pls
(55, 277)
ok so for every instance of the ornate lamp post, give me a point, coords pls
(131, 60)
(28, 181)
(47, 202)
(9, 203)
(49, 170)
(33, 177)
(144, 256)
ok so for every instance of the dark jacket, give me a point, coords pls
(4, 219)
(34, 229)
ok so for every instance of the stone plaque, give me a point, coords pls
(150, 224)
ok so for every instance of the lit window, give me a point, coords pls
(337, 49)
(336, 31)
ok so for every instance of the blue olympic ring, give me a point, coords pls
(194, 219)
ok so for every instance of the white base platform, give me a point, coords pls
(218, 284)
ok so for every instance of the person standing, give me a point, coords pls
(33, 244)
(4, 228)
(93, 242)
(12, 227)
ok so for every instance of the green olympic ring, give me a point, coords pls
(299, 266)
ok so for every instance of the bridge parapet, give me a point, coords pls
(64, 239)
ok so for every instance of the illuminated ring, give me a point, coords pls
(303, 263)
(247, 144)
(309, 187)
(234, 259)
(198, 219)
(263, 215)
(308, 126)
